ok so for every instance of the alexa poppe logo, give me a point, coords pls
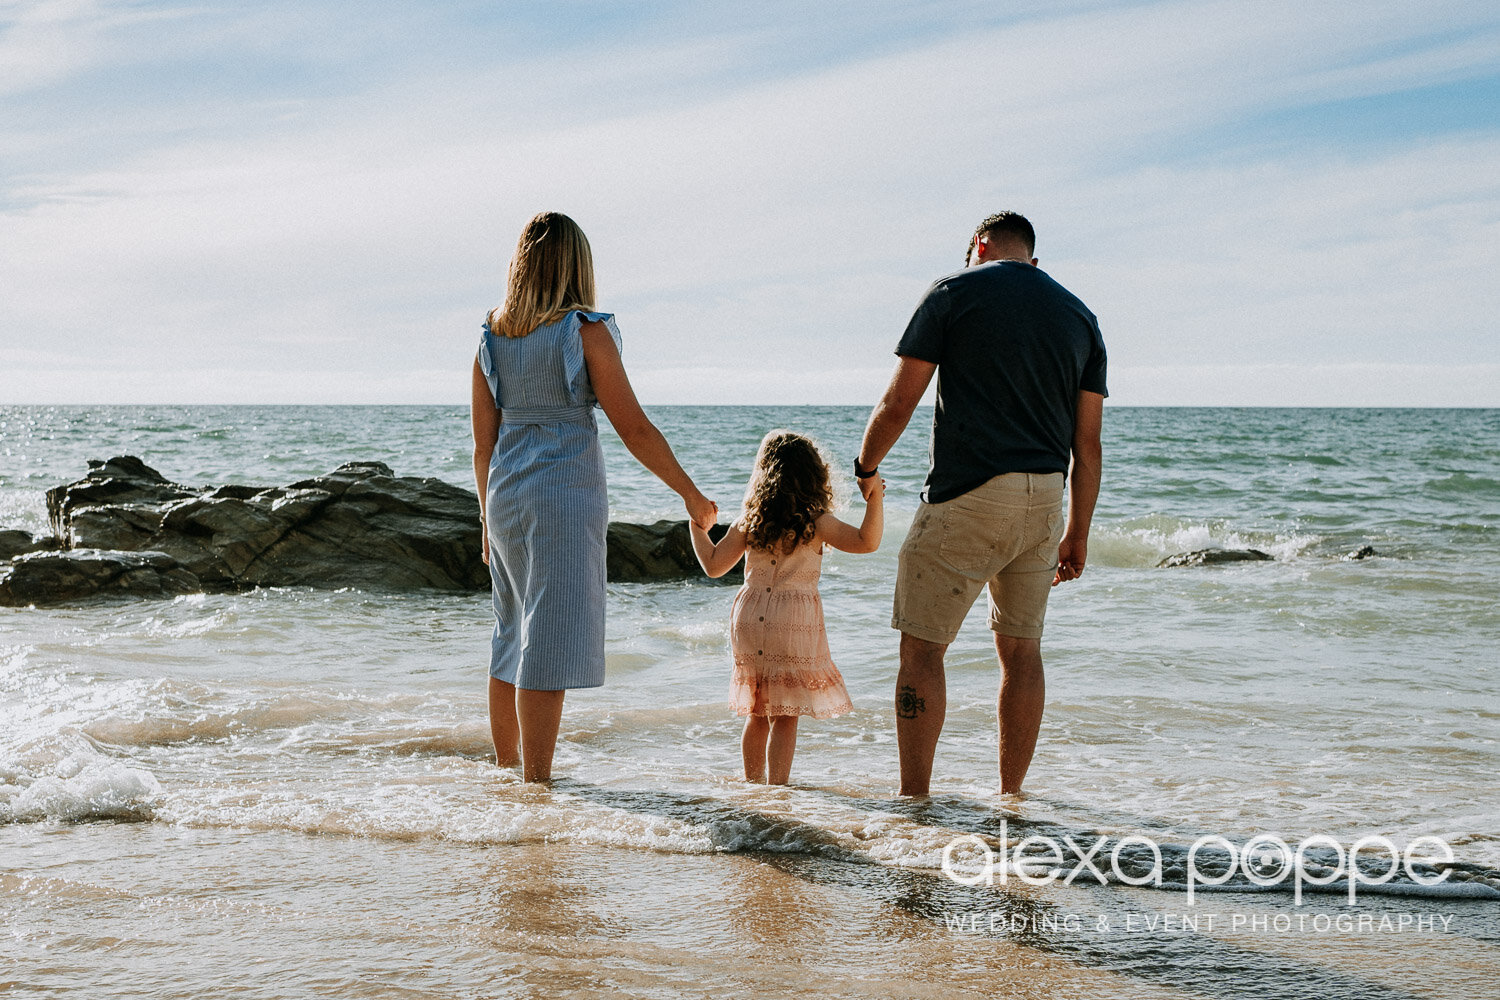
(1264, 860)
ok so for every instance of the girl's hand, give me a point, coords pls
(702, 511)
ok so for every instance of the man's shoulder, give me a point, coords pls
(1005, 278)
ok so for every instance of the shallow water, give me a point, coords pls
(184, 782)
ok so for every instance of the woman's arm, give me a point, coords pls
(865, 538)
(718, 559)
(486, 421)
(645, 442)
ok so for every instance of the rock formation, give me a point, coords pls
(660, 551)
(126, 529)
(14, 543)
(358, 526)
(1212, 557)
(56, 577)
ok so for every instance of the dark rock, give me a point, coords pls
(14, 542)
(1363, 552)
(359, 526)
(662, 551)
(52, 577)
(124, 480)
(1212, 557)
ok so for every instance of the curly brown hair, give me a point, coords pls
(789, 490)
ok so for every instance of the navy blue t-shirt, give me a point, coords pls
(1013, 349)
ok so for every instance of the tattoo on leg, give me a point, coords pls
(907, 702)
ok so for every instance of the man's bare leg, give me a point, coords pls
(1023, 692)
(505, 731)
(921, 704)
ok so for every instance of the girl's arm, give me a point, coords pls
(486, 421)
(718, 559)
(645, 442)
(865, 538)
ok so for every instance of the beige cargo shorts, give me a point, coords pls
(1004, 535)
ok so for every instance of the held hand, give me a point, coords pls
(869, 486)
(1072, 553)
(702, 511)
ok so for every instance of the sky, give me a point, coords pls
(1265, 203)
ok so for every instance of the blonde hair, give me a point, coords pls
(789, 490)
(551, 274)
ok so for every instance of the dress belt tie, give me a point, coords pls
(547, 415)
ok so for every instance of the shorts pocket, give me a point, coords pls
(1046, 551)
(969, 540)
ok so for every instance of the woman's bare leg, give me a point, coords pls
(539, 714)
(779, 749)
(504, 729)
(753, 747)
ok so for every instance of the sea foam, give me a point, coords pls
(82, 786)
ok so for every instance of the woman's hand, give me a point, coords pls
(701, 510)
(484, 553)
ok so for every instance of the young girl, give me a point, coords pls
(782, 667)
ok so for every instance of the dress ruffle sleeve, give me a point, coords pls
(572, 347)
(487, 365)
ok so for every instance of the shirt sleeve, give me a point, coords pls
(1096, 368)
(487, 364)
(927, 332)
(577, 372)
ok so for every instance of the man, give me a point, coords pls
(1020, 395)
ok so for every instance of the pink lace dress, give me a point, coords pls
(781, 661)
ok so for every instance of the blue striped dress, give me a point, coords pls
(547, 509)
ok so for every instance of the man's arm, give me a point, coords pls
(892, 414)
(1083, 486)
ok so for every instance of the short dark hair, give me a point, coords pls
(1012, 224)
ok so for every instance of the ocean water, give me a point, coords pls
(287, 790)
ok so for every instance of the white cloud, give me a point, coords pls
(41, 43)
(782, 230)
(45, 42)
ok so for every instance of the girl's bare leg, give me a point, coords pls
(753, 747)
(504, 729)
(779, 749)
(539, 714)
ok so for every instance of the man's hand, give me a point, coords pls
(870, 485)
(1072, 553)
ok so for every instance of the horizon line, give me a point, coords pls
(922, 406)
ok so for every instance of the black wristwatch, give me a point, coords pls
(859, 474)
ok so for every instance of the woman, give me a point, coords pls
(545, 360)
